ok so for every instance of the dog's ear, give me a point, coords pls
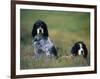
(74, 49)
(34, 31)
(85, 50)
(45, 28)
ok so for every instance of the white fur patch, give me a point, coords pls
(80, 50)
(38, 30)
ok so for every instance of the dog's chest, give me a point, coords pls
(44, 44)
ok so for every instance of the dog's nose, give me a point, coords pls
(82, 51)
(40, 31)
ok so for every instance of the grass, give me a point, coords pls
(65, 28)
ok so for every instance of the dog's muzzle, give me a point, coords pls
(40, 30)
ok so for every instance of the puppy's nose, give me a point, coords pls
(40, 31)
(82, 51)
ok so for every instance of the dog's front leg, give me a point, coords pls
(35, 54)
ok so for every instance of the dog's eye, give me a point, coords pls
(41, 25)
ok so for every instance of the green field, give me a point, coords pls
(65, 28)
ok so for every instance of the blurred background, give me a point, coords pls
(65, 28)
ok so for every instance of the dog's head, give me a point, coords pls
(79, 48)
(40, 28)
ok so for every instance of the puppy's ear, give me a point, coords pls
(34, 31)
(74, 49)
(85, 50)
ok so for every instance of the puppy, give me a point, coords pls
(79, 48)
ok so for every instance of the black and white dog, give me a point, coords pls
(41, 41)
(79, 48)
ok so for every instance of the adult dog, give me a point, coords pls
(41, 41)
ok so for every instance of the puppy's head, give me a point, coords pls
(79, 49)
(40, 28)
